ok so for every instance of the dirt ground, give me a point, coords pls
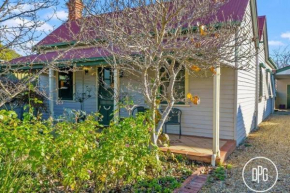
(271, 140)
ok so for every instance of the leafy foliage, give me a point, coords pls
(8, 54)
(37, 156)
(219, 173)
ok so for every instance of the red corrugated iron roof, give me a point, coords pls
(233, 9)
(69, 55)
(261, 25)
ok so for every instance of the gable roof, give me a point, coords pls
(261, 25)
(234, 9)
(263, 38)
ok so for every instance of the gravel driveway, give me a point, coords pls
(271, 140)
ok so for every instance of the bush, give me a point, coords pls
(219, 173)
(37, 156)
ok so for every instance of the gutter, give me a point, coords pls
(272, 63)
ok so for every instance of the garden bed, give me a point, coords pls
(175, 170)
(39, 156)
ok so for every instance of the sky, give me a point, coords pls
(277, 12)
(278, 21)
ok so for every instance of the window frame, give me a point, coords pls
(269, 84)
(261, 83)
(73, 90)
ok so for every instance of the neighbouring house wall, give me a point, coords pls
(90, 105)
(282, 92)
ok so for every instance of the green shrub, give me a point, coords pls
(37, 156)
(219, 173)
(23, 145)
(126, 150)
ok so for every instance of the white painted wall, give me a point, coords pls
(246, 92)
(89, 104)
(197, 120)
(246, 88)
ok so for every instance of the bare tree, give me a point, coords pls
(155, 40)
(20, 20)
(21, 26)
(281, 57)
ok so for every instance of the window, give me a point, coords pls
(267, 85)
(179, 86)
(65, 85)
(270, 86)
(261, 83)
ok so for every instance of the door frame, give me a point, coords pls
(116, 89)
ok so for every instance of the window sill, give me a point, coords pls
(68, 101)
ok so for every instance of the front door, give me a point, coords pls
(106, 95)
(288, 96)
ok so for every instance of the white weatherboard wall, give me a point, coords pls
(89, 104)
(246, 88)
(197, 120)
(246, 92)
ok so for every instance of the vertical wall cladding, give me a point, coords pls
(246, 87)
(81, 81)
